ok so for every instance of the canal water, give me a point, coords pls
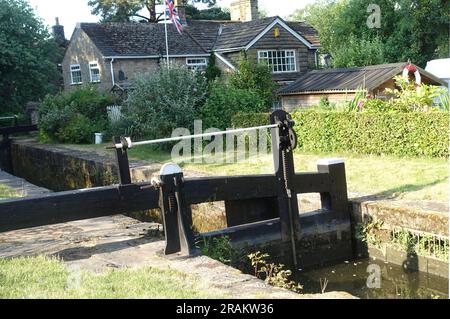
(373, 279)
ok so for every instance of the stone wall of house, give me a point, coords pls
(82, 51)
(298, 101)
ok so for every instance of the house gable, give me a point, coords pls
(282, 26)
(81, 51)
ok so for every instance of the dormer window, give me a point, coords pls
(75, 74)
(279, 61)
(94, 71)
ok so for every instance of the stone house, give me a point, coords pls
(110, 55)
(341, 85)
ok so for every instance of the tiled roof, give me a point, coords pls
(139, 39)
(305, 30)
(350, 79)
(205, 32)
(240, 34)
(200, 37)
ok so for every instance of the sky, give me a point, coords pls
(72, 11)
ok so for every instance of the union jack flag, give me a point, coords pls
(173, 15)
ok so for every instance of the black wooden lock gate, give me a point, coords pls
(250, 200)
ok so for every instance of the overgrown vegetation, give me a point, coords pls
(273, 274)
(250, 89)
(73, 117)
(423, 244)
(218, 248)
(163, 101)
(411, 242)
(368, 232)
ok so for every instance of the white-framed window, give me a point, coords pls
(75, 74)
(94, 71)
(279, 61)
(198, 64)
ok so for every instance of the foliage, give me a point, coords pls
(423, 244)
(358, 52)
(410, 29)
(355, 104)
(444, 100)
(28, 63)
(394, 133)
(256, 77)
(217, 248)
(163, 101)
(125, 10)
(409, 98)
(367, 232)
(273, 274)
(214, 13)
(73, 117)
(324, 103)
(242, 119)
(226, 100)
(212, 71)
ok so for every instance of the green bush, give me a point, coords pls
(73, 117)
(394, 133)
(225, 101)
(255, 77)
(163, 101)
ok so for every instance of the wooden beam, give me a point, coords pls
(69, 206)
(311, 183)
(18, 129)
(211, 189)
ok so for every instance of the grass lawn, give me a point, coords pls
(44, 277)
(386, 176)
(7, 192)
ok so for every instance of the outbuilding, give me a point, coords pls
(340, 85)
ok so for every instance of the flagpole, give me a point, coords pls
(165, 28)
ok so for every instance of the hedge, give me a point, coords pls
(400, 134)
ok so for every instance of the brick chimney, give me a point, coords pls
(244, 10)
(58, 33)
(181, 8)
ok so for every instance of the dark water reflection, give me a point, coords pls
(354, 277)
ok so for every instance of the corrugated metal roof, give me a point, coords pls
(350, 79)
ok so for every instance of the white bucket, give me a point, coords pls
(98, 138)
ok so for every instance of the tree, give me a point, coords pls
(214, 13)
(27, 65)
(358, 52)
(212, 71)
(255, 77)
(410, 29)
(125, 10)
